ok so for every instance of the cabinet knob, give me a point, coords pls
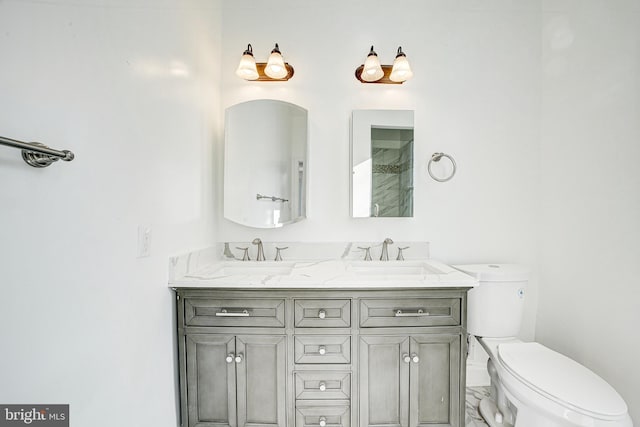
(323, 422)
(322, 313)
(239, 358)
(229, 358)
(322, 350)
(415, 358)
(406, 358)
(322, 386)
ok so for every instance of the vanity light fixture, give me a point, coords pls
(401, 71)
(275, 69)
(247, 68)
(372, 72)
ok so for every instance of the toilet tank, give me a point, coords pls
(495, 307)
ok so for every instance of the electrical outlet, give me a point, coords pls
(144, 241)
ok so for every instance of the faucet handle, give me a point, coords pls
(367, 253)
(245, 255)
(400, 257)
(278, 256)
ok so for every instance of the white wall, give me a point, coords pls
(590, 181)
(135, 89)
(131, 88)
(475, 94)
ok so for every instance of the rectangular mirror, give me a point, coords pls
(265, 163)
(382, 163)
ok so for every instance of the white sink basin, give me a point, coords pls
(244, 268)
(383, 269)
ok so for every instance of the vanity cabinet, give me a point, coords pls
(409, 370)
(323, 355)
(321, 358)
(236, 380)
(410, 380)
(230, 375)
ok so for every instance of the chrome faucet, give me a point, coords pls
(384, 256)
(260, 256)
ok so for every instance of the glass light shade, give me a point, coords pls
(401, 70)
(247, 67)
(372, 70)
(275, 66)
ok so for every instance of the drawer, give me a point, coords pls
(323, 385)
(322, 313)
(322, 349)
(314, 414)
(265, 312)
(384, 313)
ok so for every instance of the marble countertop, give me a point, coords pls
(205, 269)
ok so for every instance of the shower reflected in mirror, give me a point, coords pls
(382, 163)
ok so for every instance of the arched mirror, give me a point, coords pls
(265, 163)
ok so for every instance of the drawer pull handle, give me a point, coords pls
(322, 313)
(406, 358)
(322, 350)
(239, 358)
(415, 358)
(225, 313)
(323, 422)
(322, 386)
(418, 313)
(229, 358)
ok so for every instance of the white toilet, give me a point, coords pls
(532, 385)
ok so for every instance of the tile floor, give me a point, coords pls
(474, 395)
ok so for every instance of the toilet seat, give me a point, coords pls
(561, 380)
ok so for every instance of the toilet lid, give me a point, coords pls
(561, 378)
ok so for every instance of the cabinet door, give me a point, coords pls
(261, 377)
(434, 381)
(211, 381)
(384, 381)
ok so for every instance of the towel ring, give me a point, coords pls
(436, 157)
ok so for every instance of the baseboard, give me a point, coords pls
(477, 375)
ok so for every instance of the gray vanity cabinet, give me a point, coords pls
(410, 380)
(434, 395)
(234, 353)
(322, 358)
(236, 381)
(211, 380)
(410, 361)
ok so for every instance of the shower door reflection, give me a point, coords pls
(382, 163)
(392, 172)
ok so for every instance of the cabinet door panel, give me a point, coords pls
(384, 377)
(434, 381)
(211, 381)
(261, 377)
